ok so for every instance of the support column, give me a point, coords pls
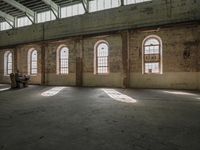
(122, 2)
(79, 62)
(15, 60)
(43, 68)
(125, 59)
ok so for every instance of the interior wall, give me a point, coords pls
(181, 63)
(198, 61)
(22, 61)
(52, 78)
(114, 77)
(180, 58)
(151, 13)
(4, 78)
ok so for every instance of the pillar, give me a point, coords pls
(43, 68)
(125, 59)
(79, 62)
(15, 60)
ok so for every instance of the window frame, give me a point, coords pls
(31, 61)
(23, 21)
(45, 16)
(58, 60)
(7, 53)
(160, 61)
(68, 11)
(96, 58)
(100, 5)
(5, 26)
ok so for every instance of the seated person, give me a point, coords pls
(13, 81)
(21, 79)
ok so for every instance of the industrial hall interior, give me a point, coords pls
(99, 74)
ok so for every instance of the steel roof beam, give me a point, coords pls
(85, 5)
(122, 2)
(8, 18)
(29, 13)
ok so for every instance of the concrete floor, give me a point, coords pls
(88, 119)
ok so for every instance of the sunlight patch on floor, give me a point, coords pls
(119, 96)
(4, 89)
(180, 93)
(52, 91)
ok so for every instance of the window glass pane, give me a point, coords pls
(63, 12)
(102, 61)
(81, 9)
(152, 46)
(108, 4)
(69, 11)
(53, 17)
(151, 67)
(23, 21)
(34, 56)
(4, 26)
(102, 49)
(152, 41)
(102, 58)
(75, 10)
(34, 62)
(10, 57)
(9, 71)
(64, 52)
(116, 3)
(97, 5)
(64, 62)
(93, 6)
(9, 63)
(34, 71)
(45, 16)
(100, 5)
(72, 10)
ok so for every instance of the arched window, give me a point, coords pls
(101, 57)
(8, 63)
(63, 60)
(152, 55)
(32, 62)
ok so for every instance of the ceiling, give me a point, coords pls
(34, 5)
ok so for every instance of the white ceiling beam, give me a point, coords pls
(8, 18)
(122, 2)
(29, 13)
(54, 7)
(85, 5)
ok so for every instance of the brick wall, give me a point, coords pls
(181, 63)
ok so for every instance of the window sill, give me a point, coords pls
(102, 74)
(152, 74)
(33, 75)
(62, 74)
(6, 75)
